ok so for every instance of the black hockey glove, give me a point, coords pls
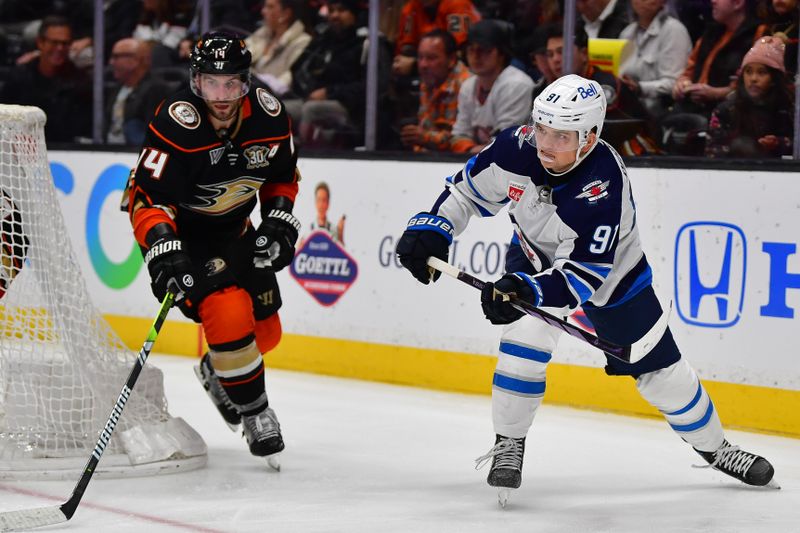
(496, 302)
(170, 268)
(426, 235)
(275, 240)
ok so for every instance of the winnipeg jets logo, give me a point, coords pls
(216, 154)
(220, 198)
(515, 191)
(594, 191)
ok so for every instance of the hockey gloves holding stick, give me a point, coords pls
(168, 263)
(276, 236)
(496, 297)
(426, 235)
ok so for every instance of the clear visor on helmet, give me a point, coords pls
(220, 87)
(547, 139)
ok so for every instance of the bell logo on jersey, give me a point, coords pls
(594, 191)
(515, 191)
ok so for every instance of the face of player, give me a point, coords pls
(557, 149)
(784, 7)
(322, 202)
(433, 62)
(757, 80)
(484, 60)
(222, 93)
(54, 46)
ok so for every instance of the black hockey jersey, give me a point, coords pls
(204, 181)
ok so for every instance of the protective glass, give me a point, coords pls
(550, 139)
(220, 87)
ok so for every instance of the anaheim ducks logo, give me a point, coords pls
(185, 114)
(220, 198)
(270, 104)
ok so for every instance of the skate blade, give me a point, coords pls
(274, 462)
(503, 496)
(772, 485)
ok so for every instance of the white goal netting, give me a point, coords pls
(61, 365)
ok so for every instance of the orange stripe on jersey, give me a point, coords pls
(272, 190)
(246, 109)
(145, 218)
(182, 149)
(227, 316)
(266, 139)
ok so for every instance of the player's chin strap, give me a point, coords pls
(628, 354)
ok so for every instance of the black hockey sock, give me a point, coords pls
(245, 387)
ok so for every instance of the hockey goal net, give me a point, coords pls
(61, 365)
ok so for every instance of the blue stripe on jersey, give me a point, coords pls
(590, 278)
(597, 269)
(439, 201)
(699, 424)
(518, 385)
(514, 238)
(642, 281)
(468, 175)
(482, 210)
(524, 352)
(583, 291)
(690, 404)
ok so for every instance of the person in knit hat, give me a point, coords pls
(756, 120)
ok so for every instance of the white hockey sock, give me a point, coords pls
(519, 378)
(676, 391)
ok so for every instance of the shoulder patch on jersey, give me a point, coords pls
(269, 103)
(515, 190)
(594, 191)
(185, 114)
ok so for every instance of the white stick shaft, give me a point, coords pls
(443, 266)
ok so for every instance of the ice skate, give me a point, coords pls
(263, 434)
(210, 382)
(506, 471)
(746, 467)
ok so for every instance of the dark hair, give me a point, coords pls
(778, 97)
(450, 45)
(324, 187)
(555, 31)
(52, 21)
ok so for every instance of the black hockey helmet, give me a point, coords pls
(218, 52)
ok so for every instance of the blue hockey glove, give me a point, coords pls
(426, 235)
(275, 240)
(495, 299)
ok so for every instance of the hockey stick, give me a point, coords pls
(56, 514)
(627, 354)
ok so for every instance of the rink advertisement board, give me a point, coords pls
(723, 246)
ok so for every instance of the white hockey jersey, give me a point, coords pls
(577, 230)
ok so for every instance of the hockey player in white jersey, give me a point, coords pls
(575, 245)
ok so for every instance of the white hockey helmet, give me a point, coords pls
(571, 103)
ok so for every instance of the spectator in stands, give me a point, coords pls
(233, 16)
(710, 73)
(52, 82)
(627, 127)
(421, 16)
(782, 18)
(441, 74)
(497, 95)
(164, 24)
(530, 53)
(278, 43)
(131, 105)
(330, 78)
(757, 120)
(603, 19)
(661, 48)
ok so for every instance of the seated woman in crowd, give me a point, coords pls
(278, 43)
(757, 120)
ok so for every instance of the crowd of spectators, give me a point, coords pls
(696, 77)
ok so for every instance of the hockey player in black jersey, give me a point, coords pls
(209, 151)
(575, 244)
